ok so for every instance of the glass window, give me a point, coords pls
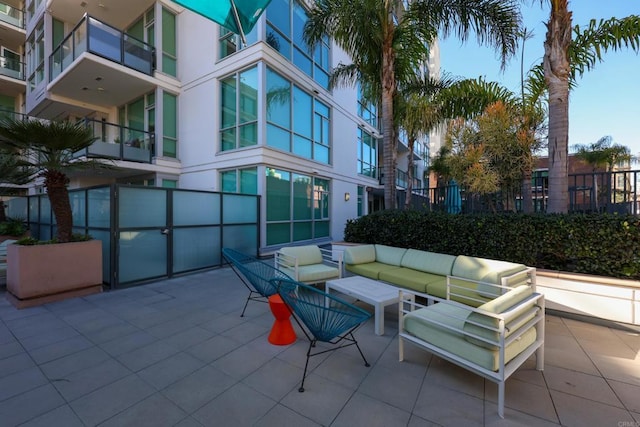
(367, 154)
(169, 125)
(169, 52)
(296, 121)
(239, 110)
(360, 200)
(243, 181)
(231, 43)
(297, 207)
(285, 33)
(367, 110)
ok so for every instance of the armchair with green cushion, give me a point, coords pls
(492, 340)
(309, 264)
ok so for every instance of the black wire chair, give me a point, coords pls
(256, 275)
(325, 317)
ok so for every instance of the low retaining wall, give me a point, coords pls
(602, 297)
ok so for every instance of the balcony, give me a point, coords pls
(99, 66)
(11, 15)
(93, 36)
(119, 143)
(11, 67)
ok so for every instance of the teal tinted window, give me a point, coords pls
(278, 195)
(169, 125)
(169, 51)
(239, 110)
(243, 181)
(297, 207)
(228, 181)
(278, 100)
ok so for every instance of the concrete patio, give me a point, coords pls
(177, 353)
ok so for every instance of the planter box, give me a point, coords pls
(44, 273)
(606, 298)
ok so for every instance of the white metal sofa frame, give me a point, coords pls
(532, 317)
(325, 269)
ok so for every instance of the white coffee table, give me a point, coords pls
(373, 292)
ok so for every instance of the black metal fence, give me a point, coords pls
(604, 192)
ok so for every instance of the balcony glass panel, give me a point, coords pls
(11, 15)
(119, 142)
(99, 38)
(11, 66)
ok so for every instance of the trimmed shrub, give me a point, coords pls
(600, 244)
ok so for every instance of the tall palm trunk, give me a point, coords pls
(410, 163)
(390, 142)
(56, 184)
(556, 73)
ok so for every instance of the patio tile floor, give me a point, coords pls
(177, 353)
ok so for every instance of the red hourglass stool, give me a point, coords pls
(282, 332)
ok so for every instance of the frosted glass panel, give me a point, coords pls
(239, 209)
(191, 208)
(195, 248)
(78, 203)
(243, 238)
(17, 208)
(45, 210)
(33, 209)
(103, 236)
(142, 207)
(99, 207)
(143, 254)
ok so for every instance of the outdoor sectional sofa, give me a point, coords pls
(483, 315)
(429, 272)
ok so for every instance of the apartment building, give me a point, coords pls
(177, 101)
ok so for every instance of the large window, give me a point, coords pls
(296, 121)
(169, 51)
(367, 154)
(367, 110)
(35, 57)
(230, 42)
(285, 25)
(239, 110)
(169, 125)
(297, 207)
(243, 181)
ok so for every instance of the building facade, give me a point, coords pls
(177, 101)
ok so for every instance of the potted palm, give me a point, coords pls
(68, 265)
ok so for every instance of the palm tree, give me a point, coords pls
(387, 44)
(561, 52)
(47, 151)
(602, 154)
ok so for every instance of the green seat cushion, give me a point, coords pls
(371, 269)
(408, 278)
(428, 262)
(484, 270)
(306, 255)
(499, 305)
(313, 273)
(359, 254)
(389, 255)
(416, 323)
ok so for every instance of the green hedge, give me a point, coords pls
(607, 245)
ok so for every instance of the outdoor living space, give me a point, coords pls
(177, 353)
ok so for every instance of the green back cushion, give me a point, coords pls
(484, 270)
(428, 262)
(496, 306)
(389, 255)
(306, 255)
(359, 254)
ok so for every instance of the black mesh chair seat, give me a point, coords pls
(256, 275)
(322, 317)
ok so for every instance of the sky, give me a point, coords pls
(606, 101)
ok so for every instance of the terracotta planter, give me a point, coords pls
(44, 273)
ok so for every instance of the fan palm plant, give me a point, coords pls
(387, 43)
(46, 150)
